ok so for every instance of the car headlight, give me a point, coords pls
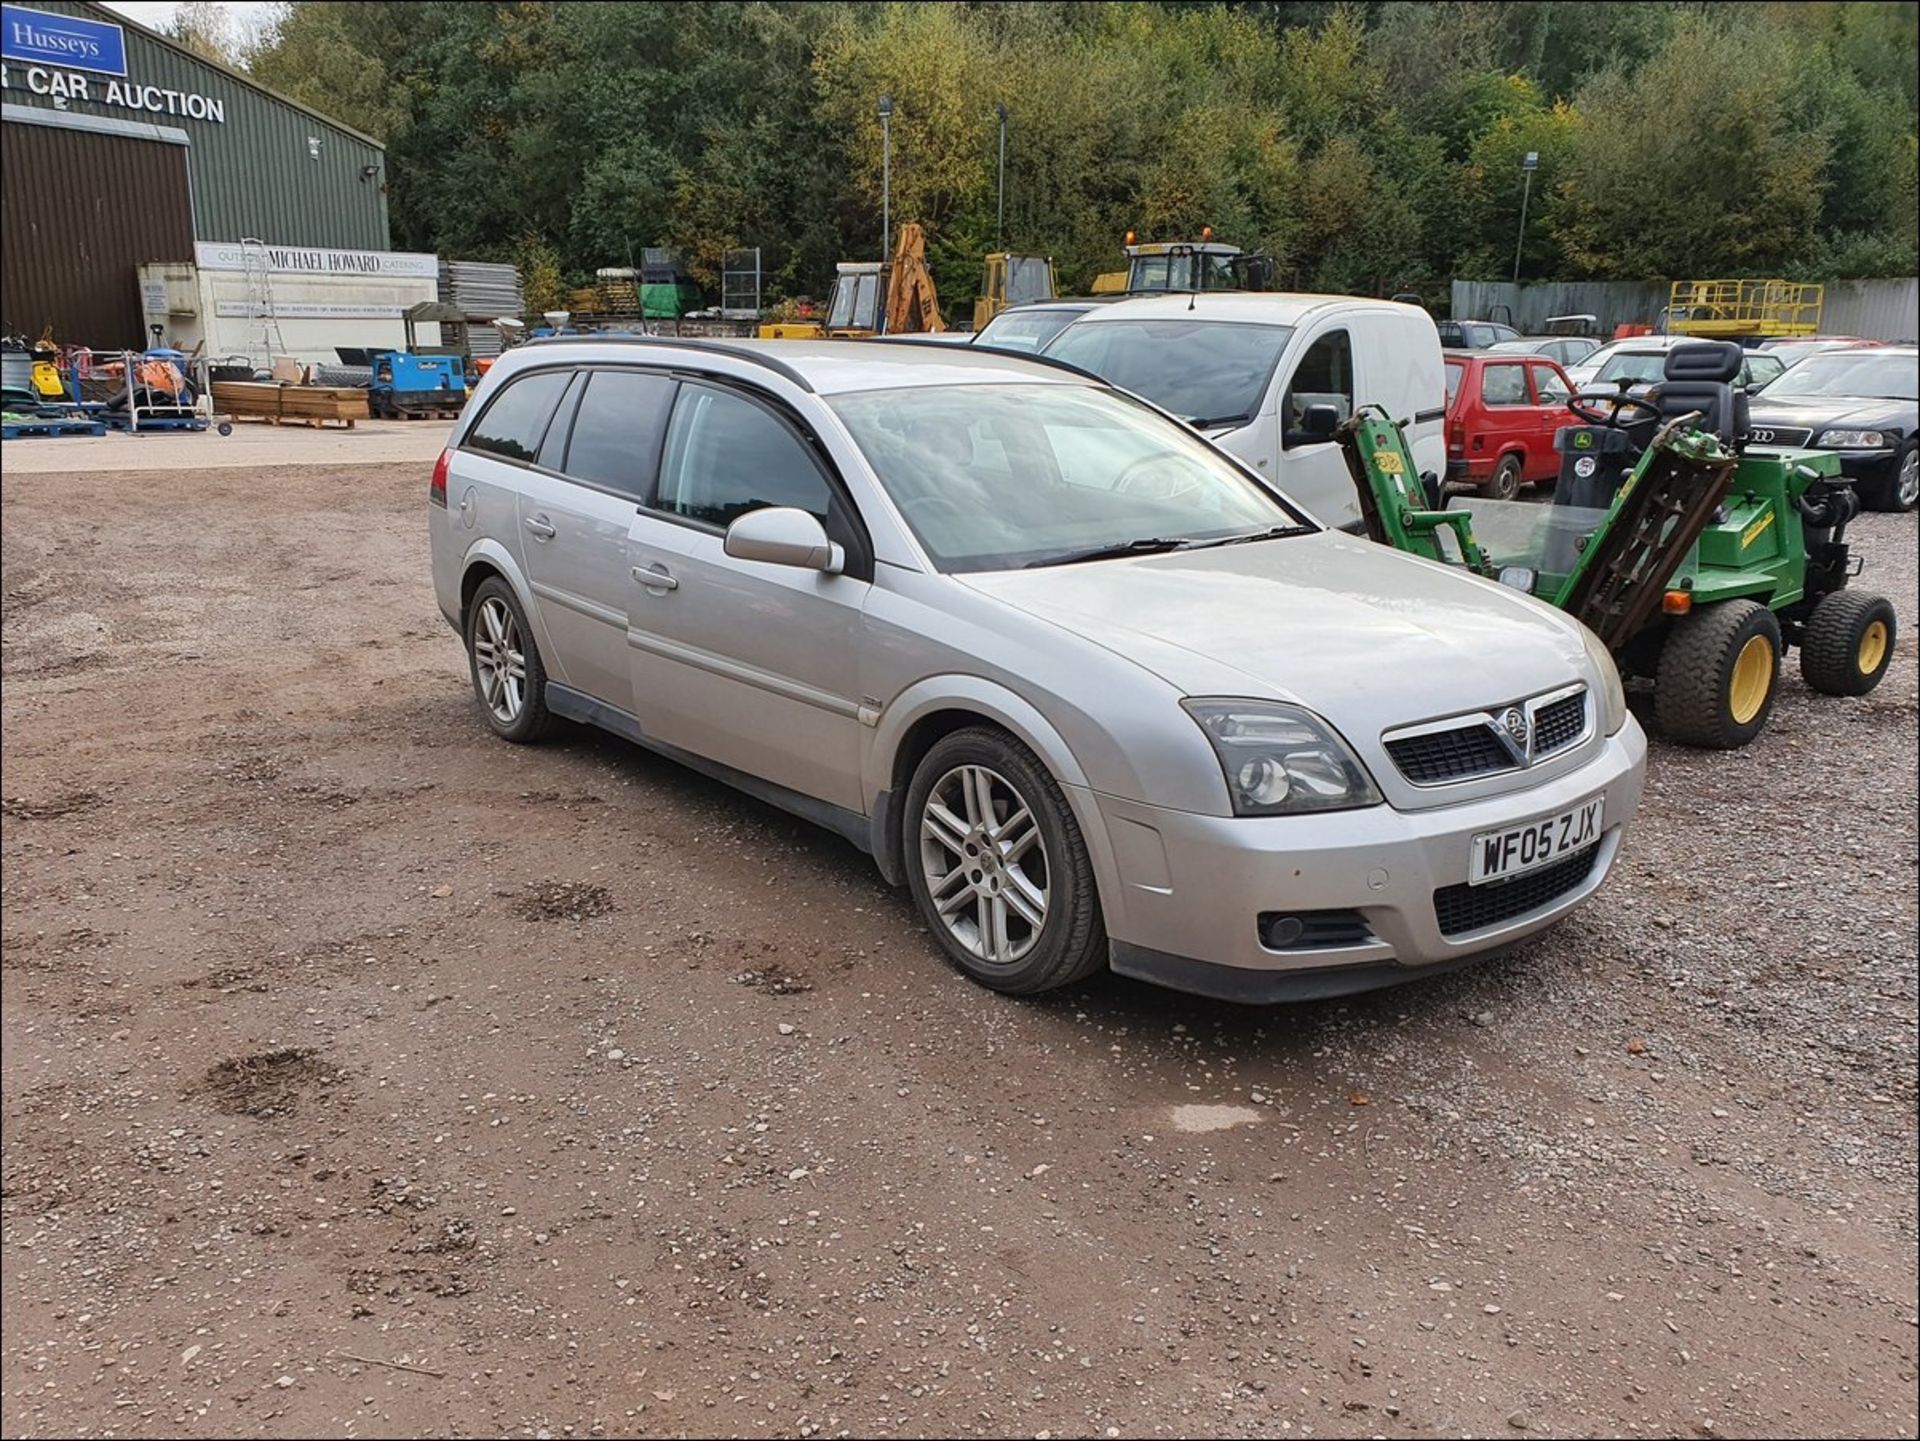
(1279, 759)
(1853, 439)
(1613, 696)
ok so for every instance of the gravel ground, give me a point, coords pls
(363, 1075)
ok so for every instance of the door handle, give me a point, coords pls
(655, 578)
(541, 527)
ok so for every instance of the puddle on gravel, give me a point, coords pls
(1213, 1118)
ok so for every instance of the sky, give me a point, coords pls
(247, 17)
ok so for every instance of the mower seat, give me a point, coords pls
(1700, 376)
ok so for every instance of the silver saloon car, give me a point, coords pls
(1096, 694)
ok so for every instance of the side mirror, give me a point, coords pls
(783, 535)
(1320, 421)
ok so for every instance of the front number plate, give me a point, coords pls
(1500, 854)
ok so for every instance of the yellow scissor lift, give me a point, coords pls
(1743, 309)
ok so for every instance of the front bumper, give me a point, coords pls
(1191, 888)
(1866, 464)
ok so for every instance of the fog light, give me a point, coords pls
(1283, 931)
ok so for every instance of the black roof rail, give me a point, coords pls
(949, 347)
(710, 347)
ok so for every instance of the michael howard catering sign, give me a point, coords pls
(36, 37)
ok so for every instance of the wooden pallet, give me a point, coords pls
(312, 422)
(309, 404)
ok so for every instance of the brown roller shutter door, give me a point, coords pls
(79, 213)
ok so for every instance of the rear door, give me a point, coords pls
(577, 504)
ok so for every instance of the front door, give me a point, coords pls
(1314, 470)
(753, 665)
(1550, 393)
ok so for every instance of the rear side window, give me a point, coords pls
(1454, 372)
(1504, 385)
(516, 419)
(616, 431)
(727, 455)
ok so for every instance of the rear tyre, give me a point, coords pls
(509, 679)
(1900, 488)
(1504, 484)
(998, 868)
(1718, 674)
(1848, 643)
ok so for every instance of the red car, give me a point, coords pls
(1502, 411)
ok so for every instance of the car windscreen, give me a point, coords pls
(1867, 374)
(1206, 372)
(1634, 365)
(1024, 330)
(996, 477)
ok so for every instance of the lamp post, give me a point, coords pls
(1000, 221)
(886, 174)
(1528, 165)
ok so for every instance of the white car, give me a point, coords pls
(1642, 360)
(1265, 377)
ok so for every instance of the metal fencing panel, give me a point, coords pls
(740, 284)
(1872, 309)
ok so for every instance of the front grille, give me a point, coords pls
(1464, 908)
(1316, 930)
(1789, 435)
(1558, 724)
(1434, 757)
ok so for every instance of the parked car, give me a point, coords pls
(1793, 350)
(1860, 401)
(1642, 359)
(1025, 329)
(1502, 411)
(1560, 349)
(1268, 377)
(1474, 334)
(1090, 688)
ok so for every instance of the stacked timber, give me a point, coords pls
(285, 404)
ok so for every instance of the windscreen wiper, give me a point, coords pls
(1277, 532)
(1153, 545)
(1208, 422)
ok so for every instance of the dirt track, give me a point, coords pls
(339, 1034)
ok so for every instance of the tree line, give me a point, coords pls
(1369, 148)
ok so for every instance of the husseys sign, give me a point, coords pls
(67, 58)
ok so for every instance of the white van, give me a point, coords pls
(1247, 369)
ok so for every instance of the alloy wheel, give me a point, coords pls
(1908, 486)
(499, 660)
(985, 863)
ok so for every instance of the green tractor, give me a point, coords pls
(1696, 559)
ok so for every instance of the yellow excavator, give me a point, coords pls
(883, 297)
(1012, 280)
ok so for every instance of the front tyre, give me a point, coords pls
(1848, 643)
(1899, 488)
(508, 678)
(997, 865)
(1719, 672)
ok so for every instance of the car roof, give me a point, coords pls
(1233, 306)
(826, 366)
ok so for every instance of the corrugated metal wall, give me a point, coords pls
(1871, 309)
(257, 173)
(79, 212)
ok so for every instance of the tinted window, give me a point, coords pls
(726, 455)
(517, 418)
(1324, 377)
(616, 430)
(1504, 385)
(1548, 385)
(553, 450)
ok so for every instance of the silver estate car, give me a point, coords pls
(1093, 691)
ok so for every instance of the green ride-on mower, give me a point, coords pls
(1696, 558)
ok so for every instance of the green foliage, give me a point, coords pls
(1368, 147)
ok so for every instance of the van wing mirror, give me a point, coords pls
(1318, 422)
(784, 535)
